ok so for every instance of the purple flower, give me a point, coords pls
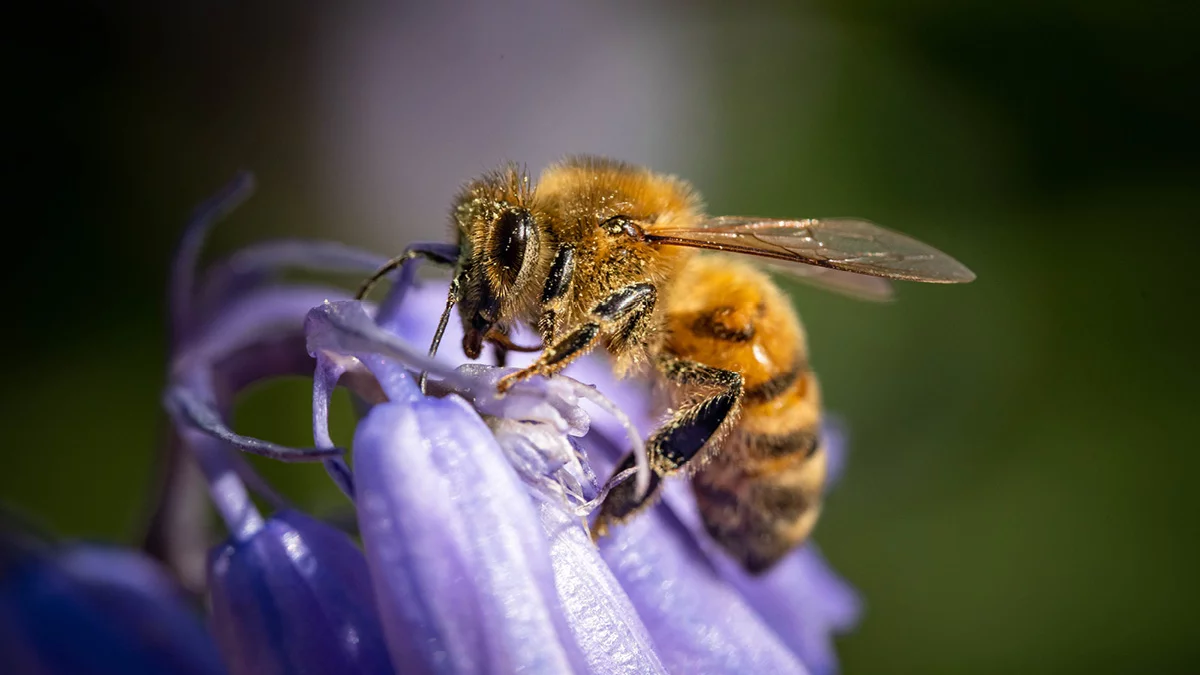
(701, 610)
(92, 609)
(474, 557)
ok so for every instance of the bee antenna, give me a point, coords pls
(451, 300)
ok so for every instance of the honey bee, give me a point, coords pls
(603, 253)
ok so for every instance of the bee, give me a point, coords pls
(606, 254)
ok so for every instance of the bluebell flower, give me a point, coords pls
(90, 609)
(474, 555)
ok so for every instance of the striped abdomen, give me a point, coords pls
(759, 485)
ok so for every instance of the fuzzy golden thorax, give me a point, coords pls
(602, 209)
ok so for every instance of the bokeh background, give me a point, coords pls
(1021, 492)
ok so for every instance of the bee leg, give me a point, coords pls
(626, 306)
(621, 502)
(679, 442)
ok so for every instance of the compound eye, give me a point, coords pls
(511, 235)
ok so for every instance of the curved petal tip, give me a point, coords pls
(295, 597)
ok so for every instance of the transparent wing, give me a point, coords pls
(858, 286)
(842, 244)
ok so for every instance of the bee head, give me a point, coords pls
(498, 239)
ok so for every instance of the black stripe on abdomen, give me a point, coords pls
(710, 324)
(777, 386)
(801, 441)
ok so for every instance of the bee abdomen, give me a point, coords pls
(760, 513)
(776, 386)
(781, 415)
(801, 442)
(760, 495)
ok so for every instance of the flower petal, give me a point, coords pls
(98, 610)
(413, 313)
(250, 342)
(461, 569)
(605, 622)
(551, 401)
(203, 372)
(266, 312)
(802, 600)
(192, 412)
(699, 623)
(187, 254)
(257, 264)
(295, 597)
(345, 327)
(340, 330)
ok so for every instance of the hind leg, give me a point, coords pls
(678, 442)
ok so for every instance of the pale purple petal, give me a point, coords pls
(802, 600)
(177, 530)
(225, 487)
(260, 263)
(345, 327)
(265, 312)
(265, 315)
(183, 270)
(633, 395)
(699, 623)
(191, 410)
(461, 568)
(552, 401)
(835, 440)
(604, 620)
(330, 369)
(416, 318)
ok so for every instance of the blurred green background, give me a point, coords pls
(1020, 495)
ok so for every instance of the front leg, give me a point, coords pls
(627, 306)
